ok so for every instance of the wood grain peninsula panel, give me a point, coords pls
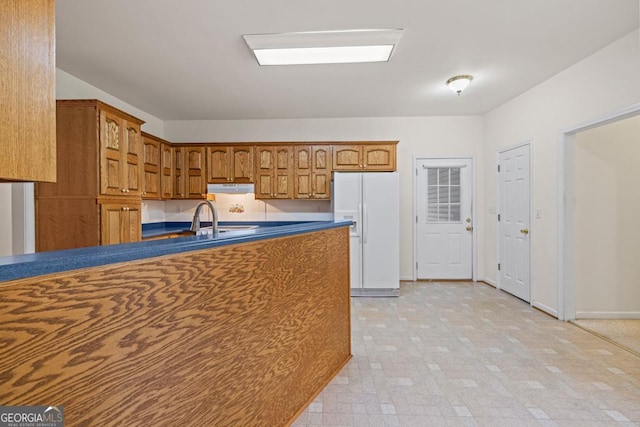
(239, 335)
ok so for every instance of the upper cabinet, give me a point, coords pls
(229, 164)
(27, 91)
(151, 182)
(274, 171)
(364, 157)
(190, 180)
(120, 155)
(312, 174)
(167, 170)
(96, 197)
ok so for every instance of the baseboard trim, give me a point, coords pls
(488, 282)
(607, 315)
(369, 292)
(548, 310)
(406, 278)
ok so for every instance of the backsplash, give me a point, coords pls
(239, 207)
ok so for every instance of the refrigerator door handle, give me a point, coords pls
(365, 223)
(359, 223)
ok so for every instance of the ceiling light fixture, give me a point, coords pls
(459, 83)
(323, 47)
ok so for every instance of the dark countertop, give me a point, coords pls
(29, 265)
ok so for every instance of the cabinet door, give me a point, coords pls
(132, 159)
(111, 161)
(167, 168)
(302, 185)
(111, 218)
(120, 223)
(218, 164)
(321, 174)
(264, 172)
(347, 157)
(151, 181)
(179, 174)
(132, 225)
(241, 164)
(283, 172)
(379, 157)
(196, 178)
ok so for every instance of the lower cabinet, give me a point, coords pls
(67, 223)
(120, 223)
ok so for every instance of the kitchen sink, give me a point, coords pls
(225, 229)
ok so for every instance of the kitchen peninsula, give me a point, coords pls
(241, 329)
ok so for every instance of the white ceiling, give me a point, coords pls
(186, 60)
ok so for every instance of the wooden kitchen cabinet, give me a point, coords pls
(100, 153)
(229, 164)
(27, 91)
(120, 154)
(167, 169)
(190, 180)
(312, 173)
(364, 157)
(151, 181)
(274, 172)
(120, 223)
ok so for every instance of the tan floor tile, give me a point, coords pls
(463, 354)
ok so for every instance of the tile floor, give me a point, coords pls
(449, 354)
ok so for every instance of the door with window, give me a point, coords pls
(444, 229)
(514, 222)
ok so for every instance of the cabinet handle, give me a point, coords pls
(124, 190)
(124, 208)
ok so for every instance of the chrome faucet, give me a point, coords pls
(195, 224)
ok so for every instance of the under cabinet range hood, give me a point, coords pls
(230, 188)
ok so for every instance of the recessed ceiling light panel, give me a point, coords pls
(326, 47)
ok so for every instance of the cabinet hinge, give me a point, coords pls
(498, 217)
(416, 172)
(498, 168)
(416, 265)
(416, 219)
(498, 266)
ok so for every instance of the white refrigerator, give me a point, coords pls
(371, 200)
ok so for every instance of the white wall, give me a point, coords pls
(418, 136)
(607, 202)
(71, 87)
(602, 83)
(6, 224)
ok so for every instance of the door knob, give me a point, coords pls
(469, 228)
(525, 231)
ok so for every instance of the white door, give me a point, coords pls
(514, 222)
(444, 221)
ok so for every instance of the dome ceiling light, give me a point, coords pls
(459, 83)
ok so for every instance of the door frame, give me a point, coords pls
(526, 143)
(566, 206)
(474, 238)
